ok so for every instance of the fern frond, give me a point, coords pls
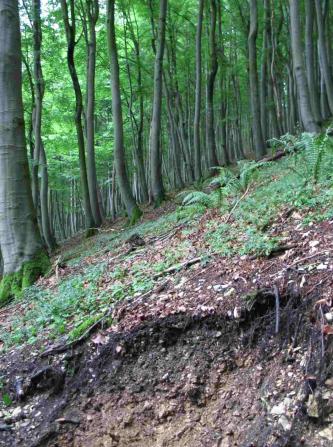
(200, 198)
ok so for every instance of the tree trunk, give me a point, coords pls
(133, 211)
(157, 187)
(92, 11)
(40, 161)
(259, 145)
(213, 67)
(264, 70)
(24, 257)
(198, 77)
(70, 27)
(310, 60)
(307, 116)
(327, 75)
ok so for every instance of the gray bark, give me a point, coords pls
(70, 27)
(259, 145)
(213, 67)
(310, 59)
(92, 11)
(157, 187)
(133, 211)
(20, 240)
(303, 95)
(198, 78)
(40, 162)
(327, 75)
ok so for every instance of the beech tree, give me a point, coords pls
(259, 144)
(307, 116)
(133, 211)
(193, 84)
(24, 256)
(157, 187)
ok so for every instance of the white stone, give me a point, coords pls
(285, 423)
(327, 433)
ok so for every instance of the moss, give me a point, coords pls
(81, 328)
(136, 214)
(13, 284)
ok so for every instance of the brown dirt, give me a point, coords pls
(194, 365)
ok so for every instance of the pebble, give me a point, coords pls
(285, 423)
(327, 433)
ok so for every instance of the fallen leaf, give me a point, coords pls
(327, 329)
(100, 339)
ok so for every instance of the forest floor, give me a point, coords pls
(198, 327)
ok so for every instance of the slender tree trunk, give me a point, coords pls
(157, 187)
(307, 116)
(213, 67)
(259, 144)
(24, 257)
(40, 160)
(310, 59)
(139, 150)
(70, 27)
(264, 70)
(92, 11)
(198, 80)
(327, 75)
(133, 211)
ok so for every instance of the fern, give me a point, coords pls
(313, 149)
(200, 198)
(248, 173)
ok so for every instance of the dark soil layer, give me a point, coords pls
(177, 381)
(236, 352)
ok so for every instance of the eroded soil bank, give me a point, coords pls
(208, 380)
(234, 352)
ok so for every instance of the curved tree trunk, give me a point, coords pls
(156, 180)
(133, 210)
(70, 27)
(303, 95)
(24, 257)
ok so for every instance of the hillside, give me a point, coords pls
(209, 323)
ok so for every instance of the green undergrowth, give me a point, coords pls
(246, 203)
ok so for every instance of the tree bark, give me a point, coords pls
(40, 161)
(198, 80)
(213, 67)
(92, 11)
(310, 59)
(307, 116)
(259, 145)
(133, 211)
(157, 187)
(327, 75)
(23, 254)
(70, 27)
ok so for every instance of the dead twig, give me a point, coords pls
(277, 309)
(307, 258)
(237, 203)
(177, 267)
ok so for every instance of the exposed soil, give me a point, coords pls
(207, 359)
